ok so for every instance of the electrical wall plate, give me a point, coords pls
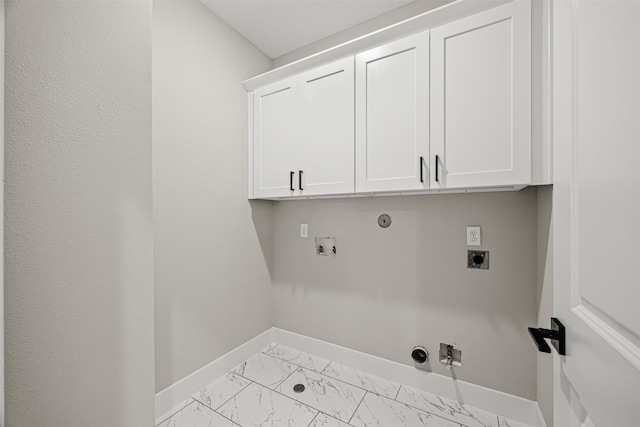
(326, 246)
(478, 259)
(473, 236)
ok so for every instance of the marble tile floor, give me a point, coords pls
(260, 392)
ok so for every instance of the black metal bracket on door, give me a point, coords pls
(556, 334)
(300, 180)
(291, 181)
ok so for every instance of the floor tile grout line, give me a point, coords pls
(288, 376)
(429, 412)
(347, 383)
(337, 419)
(355, 385)
(349, 422)
(365, 390)
(397, 393)
(295, 364)
(322, 372)
(218, 413)
(291, 398)
(350, 384)
(440, 416)
(174, 413)
(226, 401)
(325, 368)
(328, 376)
(227, 418)
(269, 347)
(318, 410)
(373, 392)
(314, 417)
(261, 385)
(357, 407)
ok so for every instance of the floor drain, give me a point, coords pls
(298, 388)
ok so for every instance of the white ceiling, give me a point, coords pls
(277, 27)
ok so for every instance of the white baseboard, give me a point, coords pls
(510, 406)
(171, 396)
(538, 418)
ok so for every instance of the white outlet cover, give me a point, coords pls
(304, 230)
(473, 236)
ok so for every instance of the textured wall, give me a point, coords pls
(390, 289)
(79, 272)
(213, 290)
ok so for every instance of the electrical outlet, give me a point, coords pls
(304, 230)
(478, 259)
(473, 236)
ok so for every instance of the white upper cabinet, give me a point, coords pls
(326, 133)
(275, 139)
(481, 99)
(303, 134)
(445, 109)
(392, 116)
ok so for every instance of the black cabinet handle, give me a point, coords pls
(538, 338)
(291, 181)
(437, 160)
(556, 334)
(421, 175)
(300, 180)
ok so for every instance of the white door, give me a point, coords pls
(275, 139)
(481, 99)
(596, 134)
(392, 116)
(326, 143)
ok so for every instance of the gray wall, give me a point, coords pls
(79, 272)
(399, 14)
(390, 289)
(213, 290)
(545, 298)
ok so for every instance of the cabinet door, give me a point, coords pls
(275, 133)
(481, 99)
(392, 116)
(326, 143)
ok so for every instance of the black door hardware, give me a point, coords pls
(291, 181)
(300, 180)
(556, 334)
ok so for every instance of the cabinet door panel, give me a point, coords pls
(326, 129)
(275, 138)
(392, 115)
(481, 99)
